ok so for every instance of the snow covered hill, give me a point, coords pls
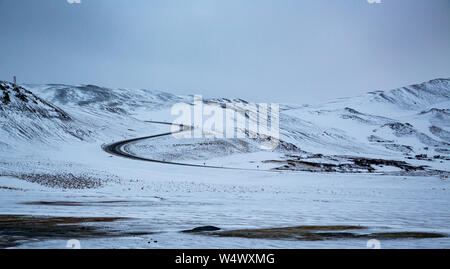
(408, 121)
(401, 130)
(25, 117)
(406, 126)
(55, 114)
(119, 101)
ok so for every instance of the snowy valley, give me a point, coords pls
(103, 162)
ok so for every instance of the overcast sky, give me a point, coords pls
(262, 50)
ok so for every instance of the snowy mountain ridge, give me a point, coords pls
(27, 117)
(399, 124)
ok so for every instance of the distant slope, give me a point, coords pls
(416, 97)
(26, 117)
(120, 101)
(415, 116)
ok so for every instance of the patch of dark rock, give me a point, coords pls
(286, 146)
(367, 163)
(436, 110)
(22, 97)
(202, 229)
(400, 148)
(353, 111)
(348, 164)
(441, 133)
(401, 129)
(314, 156)
(241, 100)
(10, 188)
(441, 157)
(6, 99)
(374, 138)
(423, 157)
(442, 150)
(353, 117)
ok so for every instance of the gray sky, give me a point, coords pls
(261, 50)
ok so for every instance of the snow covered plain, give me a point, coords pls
(379, 161)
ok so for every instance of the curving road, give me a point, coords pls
(117, 149)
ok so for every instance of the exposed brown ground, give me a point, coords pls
(18, 229)
(71, 203)
(315, 233)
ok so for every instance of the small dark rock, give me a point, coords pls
(6, 99)
(202, 229)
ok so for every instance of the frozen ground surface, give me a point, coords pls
(53, 165)
(166, 199)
